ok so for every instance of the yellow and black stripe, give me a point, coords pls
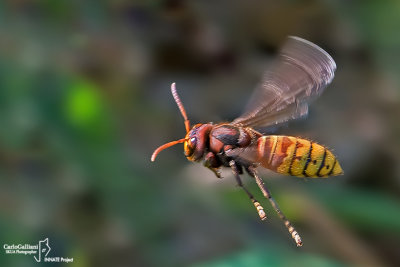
(297, 157)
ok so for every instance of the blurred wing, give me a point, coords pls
(300, 74)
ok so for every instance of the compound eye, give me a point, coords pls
(193, 141)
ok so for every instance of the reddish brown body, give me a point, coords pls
(212, 142)
(221, 143)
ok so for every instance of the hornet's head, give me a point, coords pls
(195, 140)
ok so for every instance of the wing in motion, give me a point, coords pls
(300, 73)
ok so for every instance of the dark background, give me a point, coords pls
(85, 99)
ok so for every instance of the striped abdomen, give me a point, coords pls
(297, 157)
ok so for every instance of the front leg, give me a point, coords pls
(212, 162)
(256, 204)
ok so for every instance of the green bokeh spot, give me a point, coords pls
(84, 106)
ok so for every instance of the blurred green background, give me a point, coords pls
(85, 99)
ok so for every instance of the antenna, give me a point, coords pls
(180, 106)
(167, 145)
(187, 124)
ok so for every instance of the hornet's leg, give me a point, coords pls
(267, 195)
(212, 162)
(256, 204)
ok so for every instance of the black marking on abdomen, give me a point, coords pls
(333, 166)
(322, 163)
(308, 160)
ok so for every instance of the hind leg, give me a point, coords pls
(295, 235)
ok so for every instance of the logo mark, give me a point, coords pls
(44, 248)
(39, 251)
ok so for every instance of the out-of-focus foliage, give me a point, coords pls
(84, 100)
